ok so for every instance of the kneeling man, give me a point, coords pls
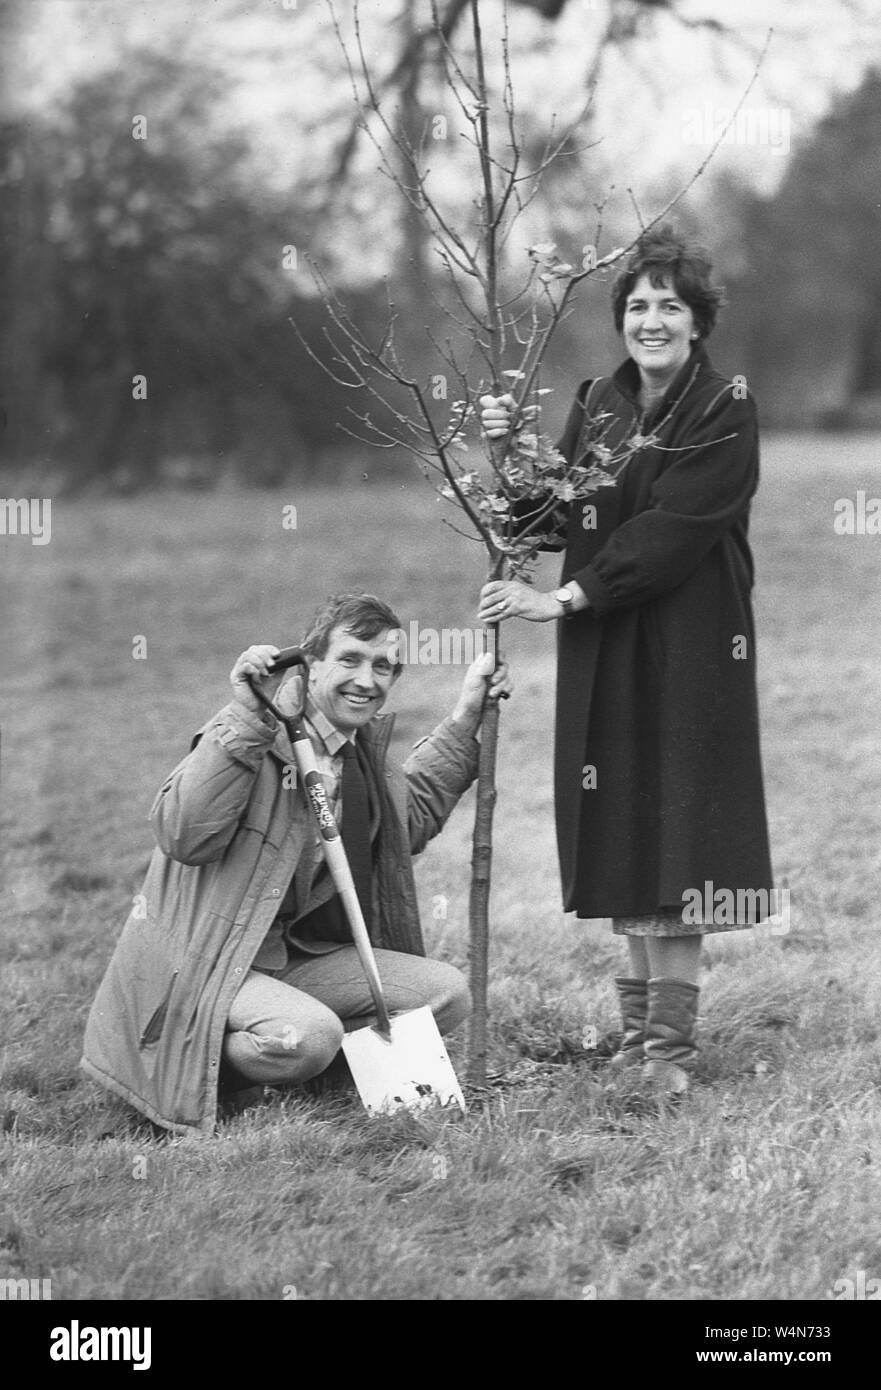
(236, 963)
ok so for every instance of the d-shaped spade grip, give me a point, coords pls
(289, 656)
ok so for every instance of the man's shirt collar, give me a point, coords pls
(332, 737)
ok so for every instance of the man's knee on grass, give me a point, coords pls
(286, 1054)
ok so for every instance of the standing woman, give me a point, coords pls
(658, 778)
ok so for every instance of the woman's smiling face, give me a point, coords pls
(659, 330)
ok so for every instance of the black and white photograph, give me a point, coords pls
(439, 736)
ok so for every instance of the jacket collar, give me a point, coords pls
(332, 737)
(627, 382)
(289, 699)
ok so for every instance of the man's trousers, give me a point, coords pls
(288, 1026)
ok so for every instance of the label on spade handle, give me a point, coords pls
(323, 814)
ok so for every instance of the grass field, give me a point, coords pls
(764, 1184)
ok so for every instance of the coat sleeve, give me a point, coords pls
(198, 808)
(438, 771)
(699, 496)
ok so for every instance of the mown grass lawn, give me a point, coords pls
(764, 1184)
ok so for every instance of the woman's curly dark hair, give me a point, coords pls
(667, 257)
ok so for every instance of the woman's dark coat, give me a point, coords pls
(657, 767)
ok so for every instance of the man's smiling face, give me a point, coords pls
(350, 683)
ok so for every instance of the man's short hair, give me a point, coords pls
(363, 615)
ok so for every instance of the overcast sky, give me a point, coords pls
(659, 104)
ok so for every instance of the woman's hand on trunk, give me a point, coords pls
(495, 415)
(509, 598)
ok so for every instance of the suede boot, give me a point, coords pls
(633, 1002)
(670, 1046)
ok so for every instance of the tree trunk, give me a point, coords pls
(481, 864)
(481, 870)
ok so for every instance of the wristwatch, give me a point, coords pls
(564, 597)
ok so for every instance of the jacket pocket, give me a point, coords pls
(156, 1021)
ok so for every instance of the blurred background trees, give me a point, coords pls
(174, 251)
(806, 310)
(137, 245)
